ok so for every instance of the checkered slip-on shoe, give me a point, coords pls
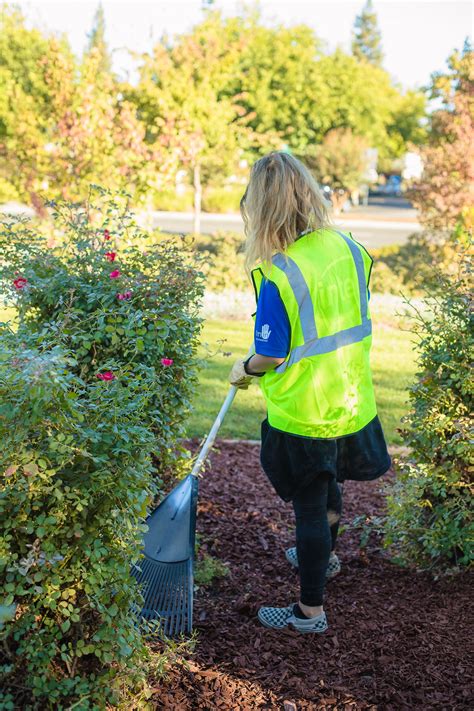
(278, 618)
(334, 565)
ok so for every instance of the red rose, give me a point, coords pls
(115, 274)
(110, 256)
(20, 283)
(106, 234)
(106, 375)
(167, 361)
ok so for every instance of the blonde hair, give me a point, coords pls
(282, 200)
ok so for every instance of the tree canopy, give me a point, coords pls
(210, 100)
(445, 192)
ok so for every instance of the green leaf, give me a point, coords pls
(66, 625)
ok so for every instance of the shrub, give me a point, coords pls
(225, 199)
(93, 389)
(76, 469)
(385, 277)
(223, 261)
(413, 267)
(109, 301)
(169, 199)
(429, 510)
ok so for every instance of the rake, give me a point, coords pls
(166, 570)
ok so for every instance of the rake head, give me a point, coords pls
(165, 571)
(168, 592)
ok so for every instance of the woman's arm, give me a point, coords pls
(241, 374)
(261, 364)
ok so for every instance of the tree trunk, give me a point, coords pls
(197, 199)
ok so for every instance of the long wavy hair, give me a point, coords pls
(281, 201)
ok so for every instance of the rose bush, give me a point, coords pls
(76, 469)
(93, 392)
(143, 309)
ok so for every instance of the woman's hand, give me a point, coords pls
(243, 371)
(239, 377)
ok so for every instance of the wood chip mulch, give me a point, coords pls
(397, 640)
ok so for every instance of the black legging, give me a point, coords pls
(315, 537)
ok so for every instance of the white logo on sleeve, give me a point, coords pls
(264, 334)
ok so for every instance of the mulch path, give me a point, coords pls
(397, 640)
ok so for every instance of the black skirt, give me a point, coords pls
(291, 462)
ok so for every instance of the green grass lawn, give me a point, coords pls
(393, 366)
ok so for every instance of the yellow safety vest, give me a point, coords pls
(324, 387)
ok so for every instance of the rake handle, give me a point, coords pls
(217, 423)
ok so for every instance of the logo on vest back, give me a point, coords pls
(264, 334)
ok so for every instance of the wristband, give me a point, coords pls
(257, 375)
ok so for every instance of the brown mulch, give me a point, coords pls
(397, 640)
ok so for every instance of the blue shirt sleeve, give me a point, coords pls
(272, 328)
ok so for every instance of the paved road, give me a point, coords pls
(369, 229)
(383, 222)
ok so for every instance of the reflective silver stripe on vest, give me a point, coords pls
(359, 264)
(312, 344)
(326, 344)
(301, 293)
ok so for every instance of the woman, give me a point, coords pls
(312, 342)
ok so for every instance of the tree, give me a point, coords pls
(278, 85)
(285, 84)
(367, 38)
(341, 162)
(445, 193)
(182, 83)
(36, 77)
(231, 89)
(64, 125)
(97, 41)
(407, 127)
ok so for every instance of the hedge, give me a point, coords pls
(94, 386)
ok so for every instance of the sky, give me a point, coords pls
(417, 35)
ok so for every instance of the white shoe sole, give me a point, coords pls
(293, 624)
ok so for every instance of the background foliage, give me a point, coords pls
(206, 103)
(444, 193)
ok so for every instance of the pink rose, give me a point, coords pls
(167, 361)
(125, 296)
(115, 274)
(110, 256)
(106, 375)
(20, 283)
